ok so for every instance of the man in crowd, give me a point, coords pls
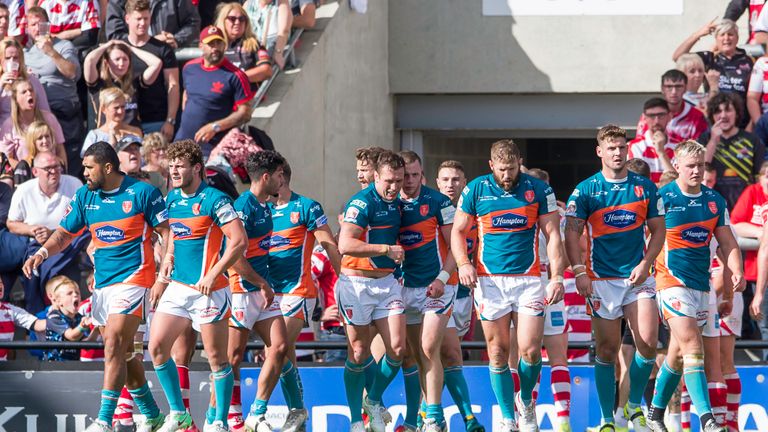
(216, 93)
(509, 207)
(36, 209)
(654, 146)
(297, 222)
(159, 102)
(618, 206)
(368, 292)
(55, 62)
(175, 22)
(120, 214)
(129, 153)
(685, 122)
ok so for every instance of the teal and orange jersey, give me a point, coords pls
(507, 223)
(196, 222)
(290, 250)
(463, 291)
(380, 221)
(691, 221)
(121, 224)
(421, 238)
(615, 212)
(257, 220)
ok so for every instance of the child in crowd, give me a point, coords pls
(64, 322)
(12, 316)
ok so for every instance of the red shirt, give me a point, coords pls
(748, 209)
(642, 148)
(89, 354)
(325, 278)
(687, 124)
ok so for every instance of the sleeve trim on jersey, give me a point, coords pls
(74, 234)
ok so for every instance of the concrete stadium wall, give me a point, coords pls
(448, 46)
(336, 101)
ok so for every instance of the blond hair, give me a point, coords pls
(37, 130)
(57, 282)
(16, 110)
(689, 148)
(504, 150)
(667, 177)
(106, 98)
(250, 43)
(610, 132)
(11, 42)
(687, 59)
(153, 142)
(727, 26)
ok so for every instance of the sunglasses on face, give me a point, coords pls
(235, 19)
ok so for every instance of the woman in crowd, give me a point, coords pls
(271, 20)
(12, 68)
(693, 68)
(155, 164)
(25, 110)
(243, 49)
(39, 138)
(109, 65)
(112, 101)
(730, 64)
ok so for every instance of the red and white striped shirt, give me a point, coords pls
(758, 81)
(642, 148)
(579, 322)
(89, 355)
(10, 317)
(71, 15)
(325, 278)
(687, 124)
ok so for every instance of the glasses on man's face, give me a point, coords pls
(53, 169)
(235, 19)
(673, 86)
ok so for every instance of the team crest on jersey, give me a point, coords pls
(196, 209)
(68, 210)
(127, 206)
(529, 195)
(424, 209)
(639, 191)
(294, 217)
(713, 207)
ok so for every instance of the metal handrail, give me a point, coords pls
(288, 52)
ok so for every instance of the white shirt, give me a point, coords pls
(30, 205)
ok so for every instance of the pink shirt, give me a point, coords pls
(12, 144)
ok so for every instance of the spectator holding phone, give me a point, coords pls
(12, 68)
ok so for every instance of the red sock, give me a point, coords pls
(685, 409)
(235, 406)
(718, 393)
(184, 384)
(561, 389)
(535, 391)
(733, 399)
(124, 410)
(516, 380)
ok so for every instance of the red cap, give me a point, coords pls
(210, 33)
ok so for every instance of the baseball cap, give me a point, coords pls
(126, 141)
(211, 33)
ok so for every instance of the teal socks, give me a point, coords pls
(504, 390)
(108, 405)
(412, 394)
(169, 381)
(666, 384)
(605, 381)
(290, 382)
(529, 377)
(223, 383)
(145, 402)
(354, 383)
(639, 372)
(457, 387)
(388, 369)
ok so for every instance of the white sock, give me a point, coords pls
(620, 420)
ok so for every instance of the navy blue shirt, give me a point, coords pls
(55, 326)
(212, 94)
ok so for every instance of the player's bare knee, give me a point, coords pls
(606, 352)
(451, 357)
(498, 354)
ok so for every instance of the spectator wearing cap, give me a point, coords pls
(216, 94)
(36, 209)
(112, 102)
(129, 153)
(74, 20)
(175, 22)
(55, 62)
(243, 49)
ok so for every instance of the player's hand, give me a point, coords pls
(555, 292)
(32, 264)
(755, 308)
(166, 268)
(738, 282)
(331, 313)
(396, 253)
(205, 285)
(725, 308)
(468, 275)
(584, 285)
(436, 289)
(268, 294)
(158, 288)
(639, 274)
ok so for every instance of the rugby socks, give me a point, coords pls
(210, 414)
(605, 381)
(718, 396)
(666, 383)
(529, 376)
(673, 422)
(733, 399)
(124, 410)
(560, 377)
(388, 369)
(504, 390)
(183, 372)
(223, 382)
(457, 387)
(535, 391)
(259, 407)
(290, 382)
(696, 382)
(169, 381)
(412, 394)
(354, 383)
(145, 402)
(639, 371)
(370, 366)
(235, 404)
(435, 411)
(108, 405)
(516, 381)
(685, 410)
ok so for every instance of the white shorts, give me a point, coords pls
(496, 296)
(555, 319)
(362, 300)
(248, 309)
(712, 326)
(117, 299)
(186, 302)
(298, 307)
(461, 316)
(417, 303)
(682, 301)
(731, 324)
(609, 296)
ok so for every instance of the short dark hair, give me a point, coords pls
(655, 102)
(732, 99)
(103, 153)
(639, 166)
(410, 156)
(390, 159)
(186, 149)
(368, 155)
(5, 6)
(287, 172)
(265, 161)
(37, 11)
(709, 167)
(136, 6)
(673, 75)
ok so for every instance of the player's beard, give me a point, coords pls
(94, 184)
(214, 57)
(509, 186)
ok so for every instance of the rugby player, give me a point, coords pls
(368, 292)
(121, 213)
(617, 206)
(509, 208)
(201, 217)
(297, 222)
(694, 213)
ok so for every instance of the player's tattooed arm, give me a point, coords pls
(58, 241)
(573, 224)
